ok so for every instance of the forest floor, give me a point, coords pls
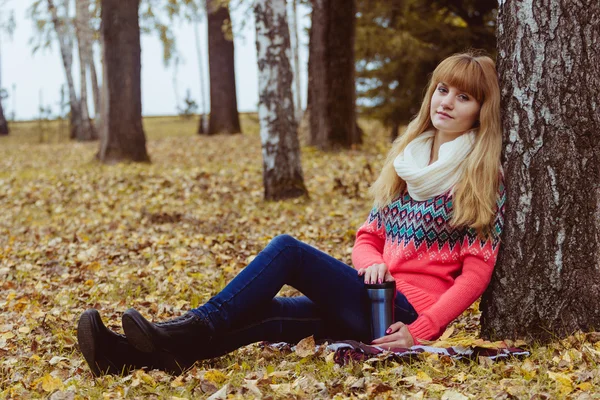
(164, 237)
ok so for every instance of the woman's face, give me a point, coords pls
(452, 110)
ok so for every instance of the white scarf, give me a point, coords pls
(427, 181)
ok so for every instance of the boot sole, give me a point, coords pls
(136, 331)
(86, 337)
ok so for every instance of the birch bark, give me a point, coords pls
(282, 170)
(296, 54)
(84, 44)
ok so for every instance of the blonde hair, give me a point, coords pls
(475, 195)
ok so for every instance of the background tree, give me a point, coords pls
(81, 128)
(331, 85)
(295, 43)
(398, 43)
(546, 281)
(282, 170)
(203, 121)
(6, 25)
(84, 35)
(224, 116)
(3, 123)
(123, 139)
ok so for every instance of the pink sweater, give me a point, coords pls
(441, 270)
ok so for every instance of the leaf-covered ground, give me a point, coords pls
(164, 237)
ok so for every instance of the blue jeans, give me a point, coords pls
(334, 306)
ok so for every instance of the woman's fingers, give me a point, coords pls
(376, 273)
(401, 338)
(388, 276)
(395, 327)
(394, 337)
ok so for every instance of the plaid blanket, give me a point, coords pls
(350, 350)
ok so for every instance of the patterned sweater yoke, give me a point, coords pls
(441, 269)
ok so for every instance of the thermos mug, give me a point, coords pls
(381, 296)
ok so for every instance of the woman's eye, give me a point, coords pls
(442, 89)
(463, 97)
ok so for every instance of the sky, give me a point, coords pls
(34, 79)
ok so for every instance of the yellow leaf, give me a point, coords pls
(215, 376)
(50, 383)
(144, 377)
(528, 369)
(447, 333)
(563, 380)
(422, 376)
(178, 382)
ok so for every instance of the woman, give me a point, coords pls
(434, 230)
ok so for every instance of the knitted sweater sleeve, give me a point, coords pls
(478, 260)
(370, 241)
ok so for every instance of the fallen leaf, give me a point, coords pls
(306, 347)
(221, 394)
(49, 383)
(453, 395)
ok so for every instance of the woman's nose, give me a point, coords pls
(446, 104)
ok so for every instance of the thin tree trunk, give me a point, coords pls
(203, 118)
(3, 123)
(547, 279)
(96, 89)
(66, 51)
(95, 85)
(124, 138)
(102, 113)
(331, 69)
(224, 116)
(296, 53)
(84, 42)
(282, 170)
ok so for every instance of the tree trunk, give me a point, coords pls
(331, 66)
(224, 116)
(95, 87)
(296, 54)
(547, 280)
(66, 52)
(83, 31)
(3, 123)
(123, 138)
(282, 170)
(102, 112)
(202, 129)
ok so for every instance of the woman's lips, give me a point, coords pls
(443, 114)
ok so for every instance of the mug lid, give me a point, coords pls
(384, 285)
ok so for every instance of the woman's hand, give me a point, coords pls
(376, 273)
(396, 336)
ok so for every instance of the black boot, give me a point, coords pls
(184, 337)
(107, 352)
